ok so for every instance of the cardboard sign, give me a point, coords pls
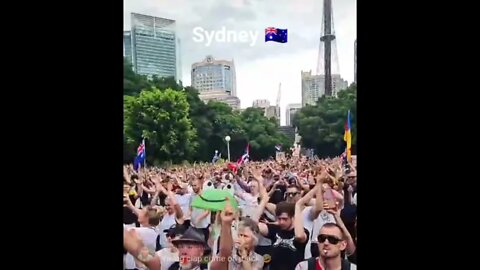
(280, 156)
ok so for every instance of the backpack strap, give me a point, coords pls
(346, 264)
(311, 263)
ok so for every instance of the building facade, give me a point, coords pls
(220, 96)
(151, 46)
(269, 110)
(313, 86)
(127, 46)
(273, 112)
(214, 75)
(216, 80)
(261, 103)
(291, 110)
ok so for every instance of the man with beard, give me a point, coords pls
(331, 239)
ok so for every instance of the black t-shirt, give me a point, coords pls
(128, 216)
(286, 251)
(278, 195)
(353, 258)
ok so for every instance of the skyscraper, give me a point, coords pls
(215, 79)
(261, 103)
(291, 110)
(127, 46)
(269, 110)
(313, 86)
(152, 46)
(212, 74)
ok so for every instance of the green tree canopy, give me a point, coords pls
(162, 117)
(179, 126)
(322, 126)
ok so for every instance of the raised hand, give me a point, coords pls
(228, 214)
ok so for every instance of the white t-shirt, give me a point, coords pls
(196, 212)
(149, 237)
(167, 222)
(184, 201)
(308, 224)
(354, 199)
(167, 257)
(323, 218)
(246, 201)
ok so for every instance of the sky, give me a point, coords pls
(261, 67)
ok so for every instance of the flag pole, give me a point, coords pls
(145, 155)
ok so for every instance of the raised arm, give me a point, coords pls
(226, 240)
(350, 244)
(128, 203)
(176, 207)
(134, 244)
(300, 234)
(318, 207)
(242, 183)
(261, 206)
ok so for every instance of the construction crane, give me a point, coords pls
(277, 109)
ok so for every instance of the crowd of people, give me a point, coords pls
(288, 214)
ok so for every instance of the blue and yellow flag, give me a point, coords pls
(348, 138)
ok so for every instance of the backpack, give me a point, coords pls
(311, 264)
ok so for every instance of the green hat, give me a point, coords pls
(214, 200)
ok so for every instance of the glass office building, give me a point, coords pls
(211, 74)
(151, 46)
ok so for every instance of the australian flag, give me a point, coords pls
(276, 34)
(140, 158)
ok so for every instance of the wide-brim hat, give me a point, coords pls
(214, 200)
(191, 235)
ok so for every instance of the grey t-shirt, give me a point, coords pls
(196, 212)
(236, 262)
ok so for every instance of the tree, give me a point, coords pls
(162, 118)
(179, 126)
(262, 134)
(133, 83)
(322, 126)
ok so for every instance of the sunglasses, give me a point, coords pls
(331, 239)
(292, 194)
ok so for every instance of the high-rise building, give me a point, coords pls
(212, 75)
(269, 110)
(221, 96)
(127, 46)
(261, 103)
(273, 112)
(291, 110)
(215, 80)
(151, 46)
(355, 63)
(313, 86)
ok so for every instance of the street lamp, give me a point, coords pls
(227, 138)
